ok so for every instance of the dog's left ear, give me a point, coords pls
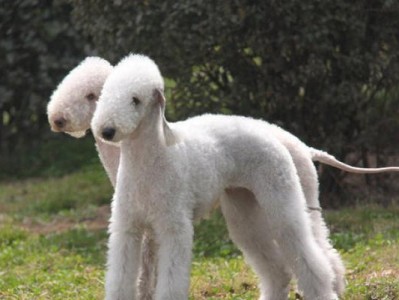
(159, 98)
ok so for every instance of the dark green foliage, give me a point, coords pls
(298, 63)
(326, 70)
(38, 47)
(54, 156)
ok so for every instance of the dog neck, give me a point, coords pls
(152, 136)
(109, 155)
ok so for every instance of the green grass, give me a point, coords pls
(54, 156)
(57, 266)
(53, 244)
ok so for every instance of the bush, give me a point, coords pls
(327, 71)
(38, 47)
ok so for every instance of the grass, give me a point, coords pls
(53, 243)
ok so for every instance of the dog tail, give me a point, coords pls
(328, 159)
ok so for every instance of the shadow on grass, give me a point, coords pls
(54, 156)
(89, 244)
(211, 238)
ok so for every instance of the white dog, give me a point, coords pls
(70, 110)
(73, 103)
(72, 106)
(172, 174)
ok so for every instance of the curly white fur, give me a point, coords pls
(70, 110)
(71, 95)
(73, 103)
(170, 174)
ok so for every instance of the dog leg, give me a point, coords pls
(175, 239)
(284, 206)
(321, 233)
(248, 229)
(309, 181)
(147, 278)
(123, 258)
(122, 265)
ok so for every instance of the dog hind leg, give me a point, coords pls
(248, 230)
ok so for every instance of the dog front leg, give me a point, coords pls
(123, 259)
(174, 260)
(147, 277)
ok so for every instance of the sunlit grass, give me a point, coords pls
(65, 266)
(50, 250)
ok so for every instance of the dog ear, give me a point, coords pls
(159, 98)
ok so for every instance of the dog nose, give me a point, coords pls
(60, 123)
(108, 133)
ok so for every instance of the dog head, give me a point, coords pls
(130, 93)
(73, 103)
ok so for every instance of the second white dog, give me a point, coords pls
(171, 174)
(72, 106)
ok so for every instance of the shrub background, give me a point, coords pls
(327, 71)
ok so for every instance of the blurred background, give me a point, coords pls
(327, 71)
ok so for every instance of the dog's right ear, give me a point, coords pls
(159, 98)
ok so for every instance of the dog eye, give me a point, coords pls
(91, 97)
(135, 101)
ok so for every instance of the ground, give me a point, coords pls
(53, 244)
